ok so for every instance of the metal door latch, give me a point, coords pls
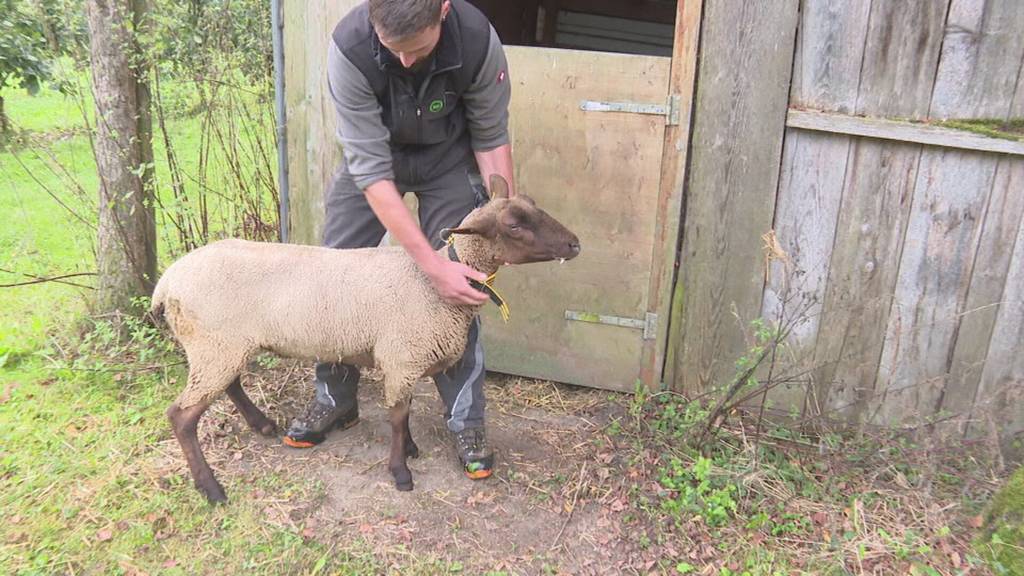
(669, 110)
(649, 324)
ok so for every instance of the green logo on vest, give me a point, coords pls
(437, 106)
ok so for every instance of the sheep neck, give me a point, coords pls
(477, 253)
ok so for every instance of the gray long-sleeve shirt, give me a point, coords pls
(366, 140)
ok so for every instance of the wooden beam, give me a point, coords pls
(901, 131)
(670, 197)
(746, 60)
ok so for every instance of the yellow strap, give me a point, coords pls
(505, 312)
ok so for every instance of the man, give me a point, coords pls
(421, 92)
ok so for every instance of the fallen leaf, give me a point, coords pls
(170, 564)
(7, 392)
(104, 535)
(954, 558)
(308, 532)
(365, 528)
(976, 521)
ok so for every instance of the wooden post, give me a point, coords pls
(741, 101)
(670, 197)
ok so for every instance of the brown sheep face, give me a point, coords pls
(519, 231)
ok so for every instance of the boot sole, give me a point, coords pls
(479, 474)
(484, 468)
(313, 438)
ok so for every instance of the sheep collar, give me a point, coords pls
(486, 286)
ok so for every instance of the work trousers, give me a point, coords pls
(351, 223)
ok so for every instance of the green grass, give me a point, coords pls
(49, 111)
(83, 490)
(90, 481)
(41, 238)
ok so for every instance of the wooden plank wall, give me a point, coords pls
(908, 257)
(313, 151)
(745, 63)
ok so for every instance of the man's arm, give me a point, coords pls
(448, 278)
(497, 161)
(364, 139)
(487, 102)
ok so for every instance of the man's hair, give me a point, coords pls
(397, 19)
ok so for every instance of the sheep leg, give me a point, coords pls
(184, 422)
(255, 417)
(411, 449)
(400, 439)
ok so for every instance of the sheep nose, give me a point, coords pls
(575, 247)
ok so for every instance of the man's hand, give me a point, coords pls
(451, 280)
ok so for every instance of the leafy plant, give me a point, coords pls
(23, 53)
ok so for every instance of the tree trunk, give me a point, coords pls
(126, 247)
(4, 125)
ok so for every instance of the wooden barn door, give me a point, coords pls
(598, 140)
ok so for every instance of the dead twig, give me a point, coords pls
(41, 280)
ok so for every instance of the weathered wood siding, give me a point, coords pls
(745, 62)
(906, 256)
(313, 150)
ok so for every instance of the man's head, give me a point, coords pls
(410, 29)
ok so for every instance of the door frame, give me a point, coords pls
(672, 191)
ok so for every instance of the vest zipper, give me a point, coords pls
(419, 122)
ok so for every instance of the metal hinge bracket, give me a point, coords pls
(669, 110)
(649, 323)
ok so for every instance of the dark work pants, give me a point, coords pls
(351, 223)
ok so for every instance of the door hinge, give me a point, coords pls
(648, 324)
(670, 110)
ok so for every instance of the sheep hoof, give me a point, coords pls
(403, 479)
(268, 429)
(214, 492)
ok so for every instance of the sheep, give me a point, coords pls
(370, 307)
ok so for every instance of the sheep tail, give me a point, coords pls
(156, 305)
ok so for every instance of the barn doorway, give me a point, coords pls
(626, 26)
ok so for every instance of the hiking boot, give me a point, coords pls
(471, 446)
(311, 428)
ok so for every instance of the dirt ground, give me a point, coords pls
(543, 511)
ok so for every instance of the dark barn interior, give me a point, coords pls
(626, 26)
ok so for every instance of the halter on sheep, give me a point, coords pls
(369, 307)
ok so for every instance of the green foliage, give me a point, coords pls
(23, 49)
(693, 488)
(1002, 542)
(197, 36)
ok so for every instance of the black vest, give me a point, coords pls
(428, 126)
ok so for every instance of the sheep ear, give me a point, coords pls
(499, 187)
(447, 232)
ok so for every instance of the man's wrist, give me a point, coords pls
(429, 262)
